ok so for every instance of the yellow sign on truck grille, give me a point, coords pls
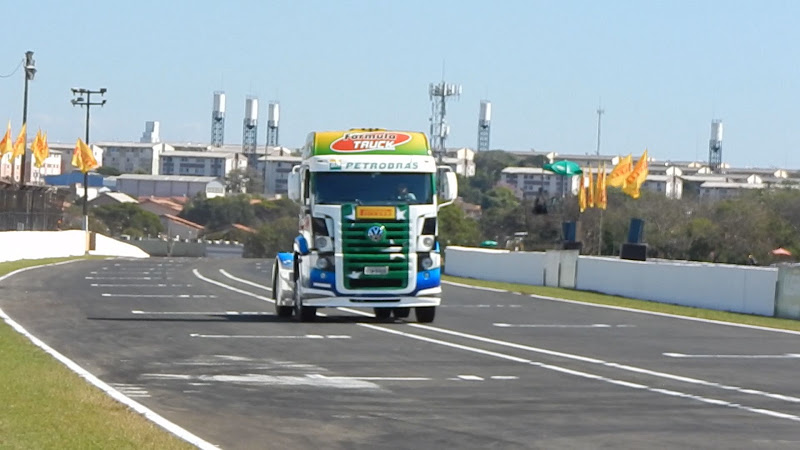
(375, 212)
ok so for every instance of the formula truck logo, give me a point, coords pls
(369, 141)
(375, 233)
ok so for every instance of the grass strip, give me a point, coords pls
(47, 406)
(625, 302)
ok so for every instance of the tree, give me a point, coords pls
(455, 228)
(108, 171)
(128, 218)
(272, 238)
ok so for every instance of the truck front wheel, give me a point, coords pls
(425, 314)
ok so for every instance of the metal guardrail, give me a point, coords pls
(31, 208)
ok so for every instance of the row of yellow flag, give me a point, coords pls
(593, 193)
(82, 157)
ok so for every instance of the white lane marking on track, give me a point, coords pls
(591, 360)
(607, 364)
(140, 285)
(253, 336)
(231, 288)
(587, 375)
(120, 278)
(201, 313)
(570, 356)
(242, 280)
(470, 377)
(638, 311)
(504, 377)
(148, 413)
(784, 356)
(553, 325)
(310, 380)
(106, 294)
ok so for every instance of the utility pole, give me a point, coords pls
(30, 72)
(84, 98)
(600, 112)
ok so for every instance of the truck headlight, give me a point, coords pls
(324, 262)
(323, 243)
(426, 263)
(425, 243)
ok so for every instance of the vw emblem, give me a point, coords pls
(375, 233)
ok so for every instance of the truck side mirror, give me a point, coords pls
(294, 184)
(449, 186)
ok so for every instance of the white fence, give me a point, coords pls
(725, 287)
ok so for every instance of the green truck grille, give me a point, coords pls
(375, 251)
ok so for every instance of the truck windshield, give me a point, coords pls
(372, 188)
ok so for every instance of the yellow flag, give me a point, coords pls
(39, 149)
(634, 181)
(582, 193)
(82, 157)
(5, 144)
(19, 144)
(601, 200)
(590, 193)
(620, 172)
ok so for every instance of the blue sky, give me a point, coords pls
(663, 69)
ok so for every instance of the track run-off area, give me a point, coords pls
(195, 344)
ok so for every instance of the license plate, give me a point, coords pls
(376, 270)
(375, 212)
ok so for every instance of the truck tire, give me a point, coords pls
(401, 313)
(425, 314)
(284, 312)
(382, 313)
(303, 313)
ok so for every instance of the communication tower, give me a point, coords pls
(250, 129)
(484, 125)
(715, 146)
(218, 120)
(439, 93)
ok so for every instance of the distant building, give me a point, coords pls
(130, 157)
(151, 133)
(178, 227)
(112, 198)
(33, 174)
(527, 182)
(169, 185)
(160, 205)
(204, 163)
(461, 160)
(65, 152)
(278, 169)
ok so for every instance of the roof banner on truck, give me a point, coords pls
(374, 142)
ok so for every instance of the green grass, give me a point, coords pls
(44, 405)
(603, 299)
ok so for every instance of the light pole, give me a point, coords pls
(30, 71)
(87, 102)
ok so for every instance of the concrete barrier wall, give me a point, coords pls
(495, 265)
(722, 287)
(17, 245)
(157, 247)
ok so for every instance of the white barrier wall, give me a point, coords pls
(723, 287)
(17, 245)
(495, 265)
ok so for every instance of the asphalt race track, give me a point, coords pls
(196, 341)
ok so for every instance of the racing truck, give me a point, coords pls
(368, 230)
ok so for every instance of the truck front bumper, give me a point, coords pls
(318, 298)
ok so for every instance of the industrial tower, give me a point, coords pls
(218, 120)
(439, 129)
(715, 146)
(273, 119)
(250, 130)
(273, 123)
(484, 125)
